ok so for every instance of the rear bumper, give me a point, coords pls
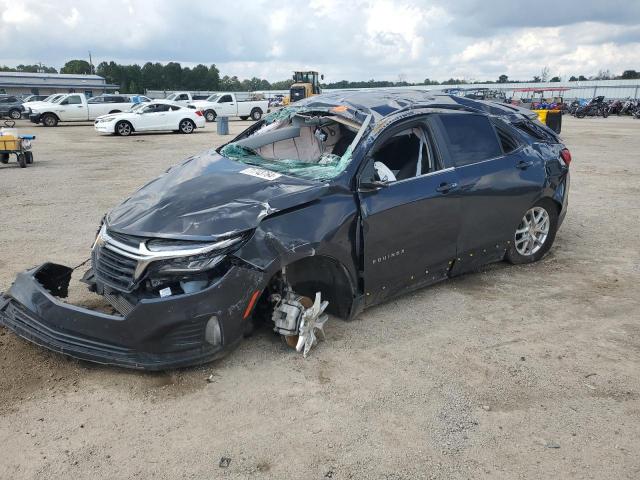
(158, 334)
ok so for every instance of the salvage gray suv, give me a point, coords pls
(338, 202)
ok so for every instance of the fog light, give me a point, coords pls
(212, 332)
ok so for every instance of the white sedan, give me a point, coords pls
(157, 115)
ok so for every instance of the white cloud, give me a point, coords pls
(355, 39)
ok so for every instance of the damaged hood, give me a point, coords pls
(209, 197)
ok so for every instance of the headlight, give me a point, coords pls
(105, 119)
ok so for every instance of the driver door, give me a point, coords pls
(74, 110)
(226, 106)
(410, 222)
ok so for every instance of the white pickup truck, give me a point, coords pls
(229, 105)
(185, 98)
(74, 107)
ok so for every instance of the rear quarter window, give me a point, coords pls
(468, 138)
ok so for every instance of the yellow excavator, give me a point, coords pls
(306, 84)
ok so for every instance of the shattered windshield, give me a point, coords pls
(316, 145)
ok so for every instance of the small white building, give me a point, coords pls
(15, 83)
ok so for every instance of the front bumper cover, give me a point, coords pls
(158, 334)
(34, 117)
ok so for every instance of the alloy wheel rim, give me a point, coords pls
(15, 115)
(124, 129)
(187, 127)
(532, 233)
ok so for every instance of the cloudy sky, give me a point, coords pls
(353, 40)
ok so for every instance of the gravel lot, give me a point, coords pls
(515, 372)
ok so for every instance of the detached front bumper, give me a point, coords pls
(158, 334)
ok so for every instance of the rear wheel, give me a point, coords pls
(187, 126)
(256, 114)
(49, 120)
(210, 116)
(15, 114)
(4, 158)
(535, 233)
(22, 161)
(28, 157)
(124, 129)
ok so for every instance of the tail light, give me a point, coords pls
(199, 113)
(566, 156)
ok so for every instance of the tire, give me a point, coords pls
(15, 114)
(605, 113)
(580, 115)
(532, 240)
(210, 116)
(244, 117)
(4, 158)
(22, 161)
(256, 114)
(123, 128)
(49, 120)
(28, 157)
(186, 126)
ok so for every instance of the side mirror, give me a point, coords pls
(372, 185)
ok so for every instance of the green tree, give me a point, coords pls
(79, 67)
(503, 78)
(555, 79)
(629, 75)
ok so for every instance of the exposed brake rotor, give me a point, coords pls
(300, 321)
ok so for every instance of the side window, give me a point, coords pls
(163, 107)
(508, 140)
(149, 108)
(97, 100)
(74, 100)
(225, 99)
(175, 107)
(12, 100)
(469, 138)
(183, 97)
(405, 154)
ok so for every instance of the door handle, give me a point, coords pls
(446, 187)
(522, 164)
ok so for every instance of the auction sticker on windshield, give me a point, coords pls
(258, 172)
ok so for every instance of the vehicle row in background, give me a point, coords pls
(75, 107)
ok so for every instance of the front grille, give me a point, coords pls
(113, 269)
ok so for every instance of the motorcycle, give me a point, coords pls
(595, 108)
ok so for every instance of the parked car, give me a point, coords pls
(27, 106)
(74, 107)
(157, 115)
(229, 105)
(351, 198)
(10, 106)
(34, 98)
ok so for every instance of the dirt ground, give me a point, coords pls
(516, 372)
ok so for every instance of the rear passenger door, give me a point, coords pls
(499, 179)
